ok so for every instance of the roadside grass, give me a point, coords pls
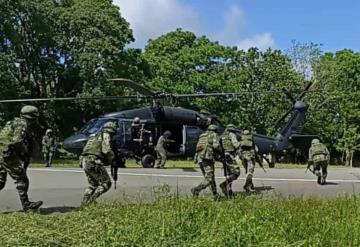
(169, 221)
(131, 163)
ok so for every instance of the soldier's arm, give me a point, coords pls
(19, 137)
(310, 156)
(234, 141)
(106, 147)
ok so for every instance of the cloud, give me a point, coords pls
(152, 18)
(261, 41)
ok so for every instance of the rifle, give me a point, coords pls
(308, 167)
(258, 160)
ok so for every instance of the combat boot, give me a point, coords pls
(31, 205)
(194, 192)
(224, 189)
(216, 197)
(319, 179)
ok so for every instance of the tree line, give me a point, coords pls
(64, 48)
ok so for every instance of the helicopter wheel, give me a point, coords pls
(148, 161)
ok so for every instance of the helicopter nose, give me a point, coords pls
(75, 143)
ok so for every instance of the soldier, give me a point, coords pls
(48, 147)
(96, 154)
(319, 157)
(248, 155)
(160, 149)
(230, 146)
(207, 146)
(14, 140)
(135, 128)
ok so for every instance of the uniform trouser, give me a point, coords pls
(208, 171)
(249, 166)
(233, 163)
(12, 165)
(48, 156)
(161, 157)
(98, 178)
(320, 170)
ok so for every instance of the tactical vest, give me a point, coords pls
(246, 142)
(7, 135)
(318, 152)
(226, 142)
(93, 146)
(204, 148)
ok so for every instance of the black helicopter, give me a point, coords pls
(185, 125)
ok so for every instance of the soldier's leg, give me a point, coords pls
(103, 180)
(158, 159)
(196, 190)
(317, 172)
(209, 179)
(250, 165)
(233, 173)
(16, 171)
(51, 155)
(90, 172)
(3, 176)
(162, 158)
(324, 172)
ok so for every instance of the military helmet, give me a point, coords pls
(212, 127)
(231, 127)
(110, 127)
(48, 131)
(167, 133)
(136, 120)
(246, 132)
(29, 112)
(315, 141)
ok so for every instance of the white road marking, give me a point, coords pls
(198, 176)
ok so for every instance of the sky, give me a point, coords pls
(246, 23)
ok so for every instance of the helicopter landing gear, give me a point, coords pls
(148, 161)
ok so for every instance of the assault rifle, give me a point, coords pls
(308, 167)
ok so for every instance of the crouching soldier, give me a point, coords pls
(98, 153)
(319, 157)
(206, 148)
(248, 155)
(14, 149)
(230, 146)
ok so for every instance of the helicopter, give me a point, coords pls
(186, 126)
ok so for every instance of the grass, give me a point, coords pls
(74, 163)
(244, 221)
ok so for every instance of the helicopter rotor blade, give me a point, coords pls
(135, 86)
(100, 98)
(283, 117)
(288, 95)
(303, 93)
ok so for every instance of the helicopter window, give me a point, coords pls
(94, 126)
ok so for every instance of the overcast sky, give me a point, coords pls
(246, 23)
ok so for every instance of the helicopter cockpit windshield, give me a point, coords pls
(93, 126)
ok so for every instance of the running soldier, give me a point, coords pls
(206, 148)
(14, 149)
(248, 155)
(98, 153)
(319, 157)
(230, 146)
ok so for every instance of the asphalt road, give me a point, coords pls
(65, 187)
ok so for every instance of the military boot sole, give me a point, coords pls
(33, 206)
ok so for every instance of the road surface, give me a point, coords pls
(65, 187)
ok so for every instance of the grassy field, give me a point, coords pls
(250, 221)
(72, 163)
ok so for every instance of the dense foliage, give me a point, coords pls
(247, 221)
(71, 47)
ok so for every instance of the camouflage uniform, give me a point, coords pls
(319, 157)
(160, 149)
(96, 154)
(230, 146)
(48, 147)
(14, 138)
(208, 144)
(247, 154)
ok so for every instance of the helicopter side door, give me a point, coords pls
(190, 138)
